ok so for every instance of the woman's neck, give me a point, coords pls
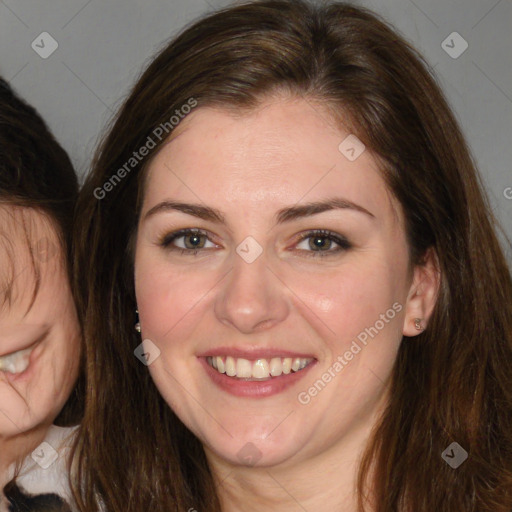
(259, 489)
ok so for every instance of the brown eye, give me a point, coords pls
(321, 243)
(194, 241)
(187, 241)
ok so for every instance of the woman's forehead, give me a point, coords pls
(284, 149)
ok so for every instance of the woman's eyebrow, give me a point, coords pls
(312, 208)
(283, 215)
(197, 210)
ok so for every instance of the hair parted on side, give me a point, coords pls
(453, 383)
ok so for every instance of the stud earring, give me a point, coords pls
(137, 324)
(417, 324)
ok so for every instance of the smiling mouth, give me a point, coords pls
(259, 369)
(17, 362)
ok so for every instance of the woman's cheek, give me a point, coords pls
(165, 297)
(342, 298)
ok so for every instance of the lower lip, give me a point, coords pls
(254, 388)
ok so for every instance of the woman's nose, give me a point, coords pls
(251, 298)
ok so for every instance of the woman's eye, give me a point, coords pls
(187, 241)
(322, 243)
(312, 243)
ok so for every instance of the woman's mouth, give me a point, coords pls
(259, 369)
(16, 362)
(258, 377)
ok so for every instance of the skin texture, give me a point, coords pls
(283, 154)
(30, 401)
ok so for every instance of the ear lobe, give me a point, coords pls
(422, 295)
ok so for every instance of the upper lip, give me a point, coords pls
(253, 353)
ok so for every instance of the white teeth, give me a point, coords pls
(287, 365)
(230, 366)
(276, 367)
(17, 362)
(259, 369)
(243, 368)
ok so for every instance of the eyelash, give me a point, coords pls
(342, 242)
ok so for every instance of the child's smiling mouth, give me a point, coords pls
(16, 362)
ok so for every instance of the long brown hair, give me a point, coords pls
(452, 383)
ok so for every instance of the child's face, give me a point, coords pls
(39, 336)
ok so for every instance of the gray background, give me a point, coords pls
(104, 45)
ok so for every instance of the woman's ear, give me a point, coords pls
(422, 295)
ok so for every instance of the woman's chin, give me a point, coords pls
(242, 451)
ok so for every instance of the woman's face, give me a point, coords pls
(249, 295)
(39, 341)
